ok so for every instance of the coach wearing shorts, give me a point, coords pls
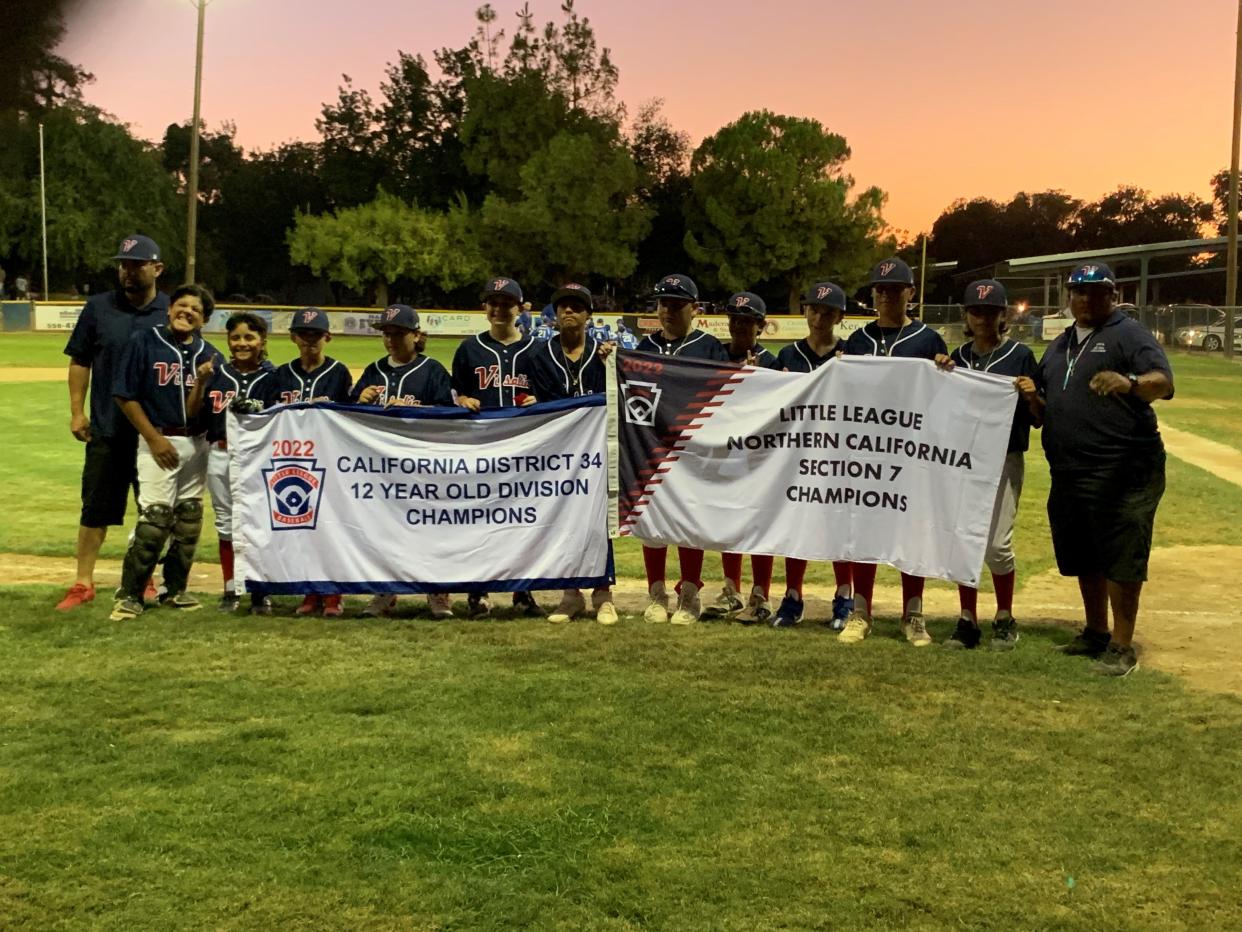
(1099, 379)
(94, 349)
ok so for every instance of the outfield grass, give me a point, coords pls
(234, 773)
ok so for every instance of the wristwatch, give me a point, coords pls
(1133, 382)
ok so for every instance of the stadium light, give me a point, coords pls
(191, 219)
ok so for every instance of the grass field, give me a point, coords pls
(203, 771)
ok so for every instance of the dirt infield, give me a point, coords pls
(33, 374)
(1187, 625)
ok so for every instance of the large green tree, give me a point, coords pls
(1131, 216)
(770, 202)
(377, 244)
(981, 232)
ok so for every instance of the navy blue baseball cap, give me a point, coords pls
(310, 318)
(681, 287)
(1093, 273)
(747, 304)
(502, 286)
(139, 248)
(397, 315)
(892, 272)
(574, 290)
(825, 294)
(986, 292)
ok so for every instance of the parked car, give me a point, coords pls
(1210, 337)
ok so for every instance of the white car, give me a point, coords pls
(1210, 337)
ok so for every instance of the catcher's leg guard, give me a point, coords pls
(187, 525)
(155, 523)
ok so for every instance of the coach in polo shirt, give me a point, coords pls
(94, 349)
(1098, 380)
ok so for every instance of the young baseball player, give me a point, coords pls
(823, 306)
(675, 296)
(747, 317)
(246, 376)
(569, 366)
(403, 377)
(493, 370)
(989, 350)
(313, 376)
(893, 333)
(159, 368)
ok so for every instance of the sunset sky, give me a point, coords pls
(938, 100)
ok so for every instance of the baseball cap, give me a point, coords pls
(677, 286)
(139, 248)
(986, 292)
(747, 304)
(892, 272)
(1093, 273)
(825, 294)
(310, 318)
(502, 286)
(574, 290)
(397, 315)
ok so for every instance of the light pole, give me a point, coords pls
(191, 219)
(1231, 262)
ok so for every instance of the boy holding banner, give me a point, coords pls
(894, 334)
(675, 296)
(823, 305)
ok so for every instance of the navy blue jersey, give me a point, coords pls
(1081, 428)
(228, 384)
(799, 357)
(1013, 359)
(493, 372)
(556, 376)
(763, 359)
(421, 381)
(98, 340)
(697, 344)
(915, 340)
(158, 372)
(329, 382)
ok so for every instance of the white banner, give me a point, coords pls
(865, 459)
(335, 499)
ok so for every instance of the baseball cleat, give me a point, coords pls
(310, 605)
(1087, 643)
(790, 611)
(478, 606)
(572, 605)
(858, 625)
(332, 606)
(151, 594)
(727, 603)
(125, 609)
(440, 605)
(379, 606)
(758, 610)
(260, 605)
(965, 636)
(912, 624)
(1117, 661)
(181, 601)
(229, 602)
(656, 612)
(524, 604)
(78, 594)
(606, 614)
(841, 608)
(689, 608)
(1004, 632)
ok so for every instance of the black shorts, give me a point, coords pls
(1102, 517)
(108, 475)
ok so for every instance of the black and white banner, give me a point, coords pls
(866, 459)
(337, 499)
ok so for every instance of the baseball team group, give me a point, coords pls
(159, 395)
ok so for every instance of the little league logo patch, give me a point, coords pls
(294, 487)
(641, 401)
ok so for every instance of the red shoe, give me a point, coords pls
(77, 595)
(151, 594)
(309, 606)
(332, 606)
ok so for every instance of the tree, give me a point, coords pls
(980, 233)
(218, 155)
(352, 167)
(770, 202)
(34, 79)
(1130, 216)
(575, 214)
(662, 156)
(379, 243)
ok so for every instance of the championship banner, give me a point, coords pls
(339, 499)
(867, 459)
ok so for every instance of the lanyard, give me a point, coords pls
(1070, 363)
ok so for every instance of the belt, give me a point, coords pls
(177, 432)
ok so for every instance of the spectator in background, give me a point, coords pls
(22, 288)
(524, 321)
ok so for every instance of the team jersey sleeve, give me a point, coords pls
(1145, 354)
(717, 352)
(957, 358)
(857, 344)
(938, 345)
(342, 381)
(370, 376)
(127, 382)
(543, 383)
(461, 382)
(768, 361)
(439, 390)
(81, 345)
